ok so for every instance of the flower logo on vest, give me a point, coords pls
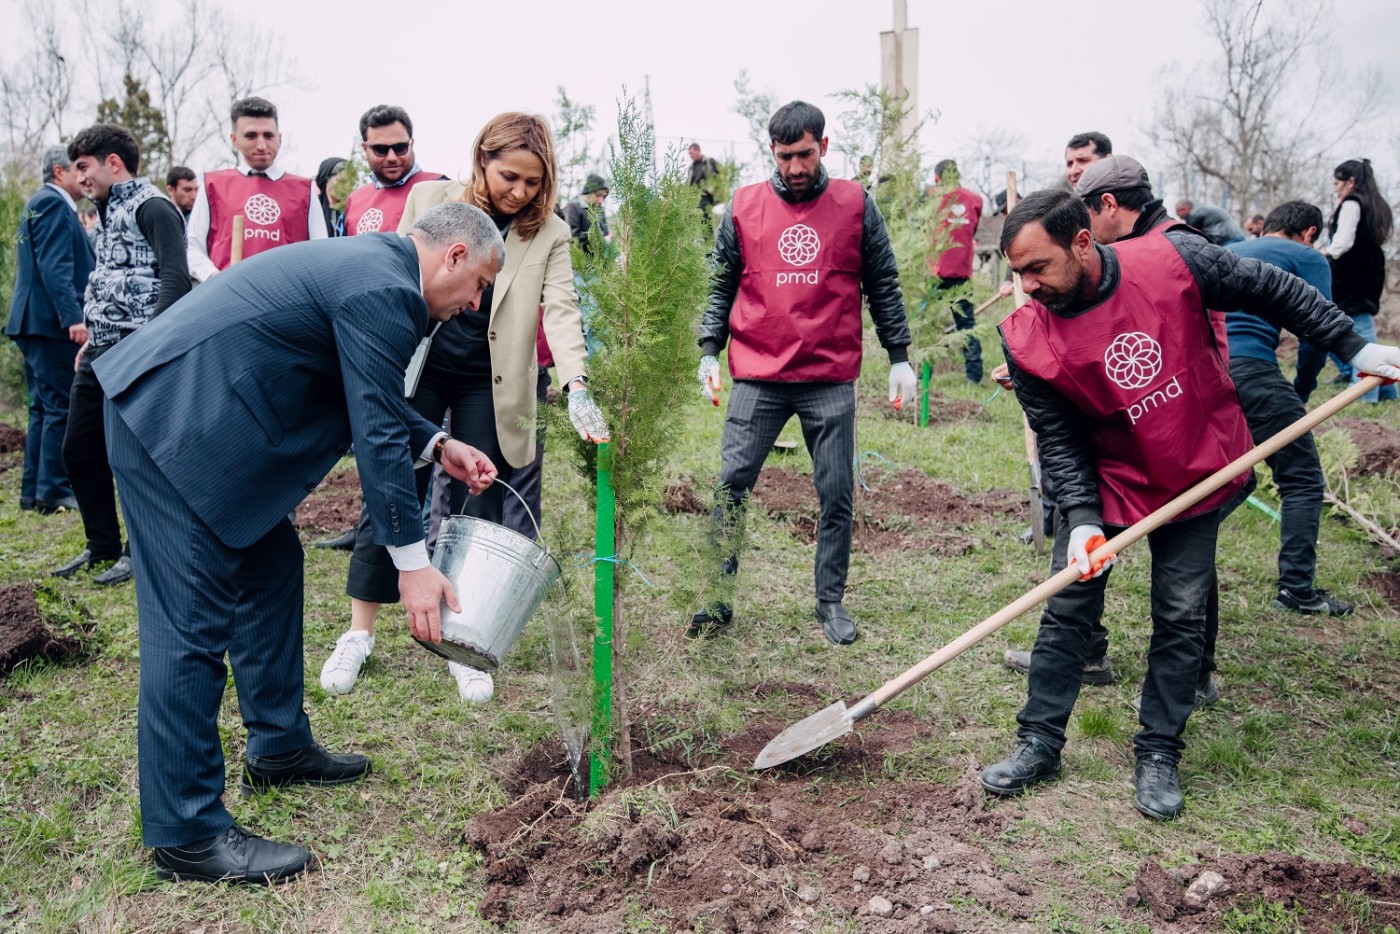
(1133, 360)
(798, 245)
(370, 221)
(262, 210)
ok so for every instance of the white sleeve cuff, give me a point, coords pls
(426, 456)
(409, 557)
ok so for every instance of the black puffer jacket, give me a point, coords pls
(879, 278)
(1225, 280)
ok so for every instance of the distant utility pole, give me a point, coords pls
(899, 67)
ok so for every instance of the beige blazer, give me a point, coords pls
(537, 273)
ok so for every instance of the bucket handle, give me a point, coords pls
(528, 512)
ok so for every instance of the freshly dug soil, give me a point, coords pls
(1387, 583)
(1310, 889)
(11, 439)
(23, 634)
(902, 511)
(727, 858)
(1378, 447)
(334, 506)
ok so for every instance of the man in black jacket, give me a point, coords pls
(796, 254)
(1117, 366)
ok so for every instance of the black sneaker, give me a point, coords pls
(1158, 787)
(310, 765)
(1030, 763)
(1098, 671)
(1317, 603)
(710, 621)
(1207, 694)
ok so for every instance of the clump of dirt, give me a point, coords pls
(23, 632)
(722, 858)
(902, 510)
(681, 498)
(11, 439)
(334, 506)
(1324, 896)
(1377, 447)
(1387, 583)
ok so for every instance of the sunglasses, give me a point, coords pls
(400, 149)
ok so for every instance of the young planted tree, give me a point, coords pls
(648, 289)
(573, 122)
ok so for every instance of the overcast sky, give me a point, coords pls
(1041, 70)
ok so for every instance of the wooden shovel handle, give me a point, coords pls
(236, 248)
(1123, 539)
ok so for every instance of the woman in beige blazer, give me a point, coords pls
(482, 364)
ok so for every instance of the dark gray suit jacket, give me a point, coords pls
(249, 389)
(53, 261)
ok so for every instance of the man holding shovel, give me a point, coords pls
(1115, 361)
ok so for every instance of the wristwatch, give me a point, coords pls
(436, 454)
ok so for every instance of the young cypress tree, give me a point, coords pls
(645, 290)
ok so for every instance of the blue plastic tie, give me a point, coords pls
(992, 396)
(860, 478)
(583, 560)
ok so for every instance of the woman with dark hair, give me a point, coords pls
(1357, 232)
(331, 206)
(481, 366)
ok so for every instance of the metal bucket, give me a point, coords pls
(500, 578)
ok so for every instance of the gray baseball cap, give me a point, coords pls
(1112, 173)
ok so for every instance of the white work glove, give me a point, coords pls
(1378, 360)
(902, 384)
(1082, 540)
(586, 416)
(708, 376)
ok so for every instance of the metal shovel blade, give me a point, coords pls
(802, 737)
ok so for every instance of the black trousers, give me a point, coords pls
(963, 321)
(372, 575)
(1183, 578)
(85, 456)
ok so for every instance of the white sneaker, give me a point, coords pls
(339, 673)
(472, 685)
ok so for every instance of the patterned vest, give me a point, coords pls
(797, 315)
(1147, 369)
(122, 291)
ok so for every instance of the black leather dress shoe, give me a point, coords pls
(47, 507)
(710, 621)
(26, 503)
(839, 626)
(310, 765)
(342, 542)
(1030, 763)
(84, 561)
(233, 856)
(1158, 787)
(118, 573)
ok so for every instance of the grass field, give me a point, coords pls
(1302, 754)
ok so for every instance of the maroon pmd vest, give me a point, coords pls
(961, 211)
(274, 213)
(797, 315)
(1146, 367)
(379, 210)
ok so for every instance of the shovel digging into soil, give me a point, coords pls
(837, 720)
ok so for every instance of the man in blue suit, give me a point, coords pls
(46, 322)
(222, 414)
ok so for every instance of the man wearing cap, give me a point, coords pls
(1118, 193)
(1118, 366)
(586, 211)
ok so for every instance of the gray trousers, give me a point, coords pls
(756, 415)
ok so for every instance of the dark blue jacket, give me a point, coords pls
(249, 389)
(54, 259)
